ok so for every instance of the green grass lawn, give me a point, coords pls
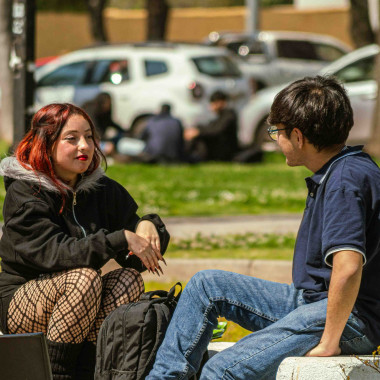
(215, 188)
(212, 188)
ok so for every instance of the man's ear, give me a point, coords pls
(300, 138)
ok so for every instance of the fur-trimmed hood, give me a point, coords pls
(11, 168)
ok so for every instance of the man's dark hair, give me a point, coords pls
(319, 107)
(165, 109)
(218, 95)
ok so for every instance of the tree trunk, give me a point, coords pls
(6, 79)
(157, 19)
(95, 9)
(373, 146)
(360, 26)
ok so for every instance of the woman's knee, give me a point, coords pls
(128, 275)
(124, 277)
(123, 285)
(85, 281)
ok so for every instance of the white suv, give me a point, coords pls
(141, 77)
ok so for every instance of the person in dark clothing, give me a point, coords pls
(164, 138)
(219, 137)
(100, 111)
(63, 220)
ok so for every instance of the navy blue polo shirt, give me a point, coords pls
(342, 213)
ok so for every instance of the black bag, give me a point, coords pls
(131, 335)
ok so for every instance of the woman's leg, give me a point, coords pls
(63, 306)
(120, 287)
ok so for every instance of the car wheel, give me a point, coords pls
(139, 125)
(262, 139)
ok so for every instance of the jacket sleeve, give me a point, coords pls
(39, 241)
(133, 261)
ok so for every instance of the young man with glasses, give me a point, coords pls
(333, 305)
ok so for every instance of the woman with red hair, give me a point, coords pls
(63, 220)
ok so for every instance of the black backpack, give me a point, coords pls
(131, 335)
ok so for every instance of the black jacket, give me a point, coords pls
(220, 136)
(37, 239)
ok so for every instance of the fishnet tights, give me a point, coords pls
(120, 286)
(70, 306)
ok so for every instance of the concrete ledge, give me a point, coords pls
(331, 368)
(215, 347)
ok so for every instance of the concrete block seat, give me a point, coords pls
(331, 368)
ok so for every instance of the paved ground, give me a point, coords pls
(277, 224)
(183, 269)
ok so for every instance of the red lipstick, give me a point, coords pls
(83, 157)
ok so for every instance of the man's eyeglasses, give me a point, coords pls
(273, 132)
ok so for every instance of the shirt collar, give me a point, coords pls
(321, 174)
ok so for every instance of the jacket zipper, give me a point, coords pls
(75, 218)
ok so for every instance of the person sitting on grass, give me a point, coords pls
(217, 140)
(63, 220)
(333, 305)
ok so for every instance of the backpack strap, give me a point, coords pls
(163, 293)
(155, 293)
(172, 292)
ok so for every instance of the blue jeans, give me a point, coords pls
(283, 324)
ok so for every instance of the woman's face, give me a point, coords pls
(73, 151)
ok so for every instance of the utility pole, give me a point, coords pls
(21, 62)
(252, 16)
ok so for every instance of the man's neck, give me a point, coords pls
(315, 160)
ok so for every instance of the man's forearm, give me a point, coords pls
(343, 291)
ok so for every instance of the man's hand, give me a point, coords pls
(191, 133)
(323, 350)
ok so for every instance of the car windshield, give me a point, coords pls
(217, 66)
(358, 71)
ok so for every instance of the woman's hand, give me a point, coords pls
(148, 231)
(144, 251)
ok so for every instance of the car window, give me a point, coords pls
(72, 74)
(217, 66)
(358, 71)
(328, 53)
(234, 46)
(107, 70)
(247, 47)
(296, 50)
(155, 68)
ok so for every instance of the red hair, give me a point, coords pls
(34, 150)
